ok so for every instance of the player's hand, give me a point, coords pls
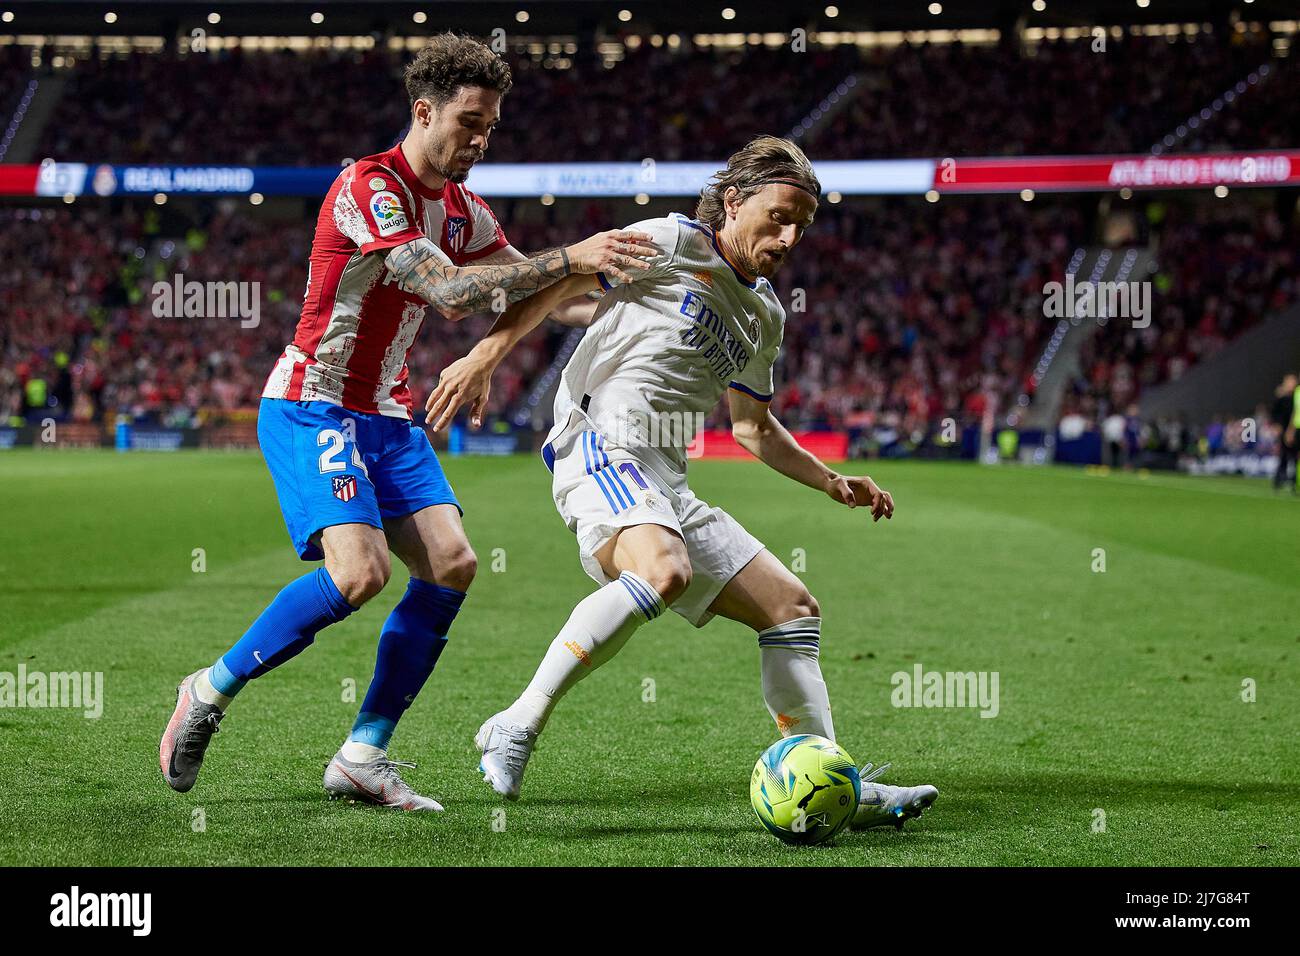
(862, 491)
(620, 253)
(467, 380)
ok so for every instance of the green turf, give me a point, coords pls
(1119, 691)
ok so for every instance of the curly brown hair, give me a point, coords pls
(763, 160)
(450, 61)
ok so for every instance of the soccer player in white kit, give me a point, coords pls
(660, 352)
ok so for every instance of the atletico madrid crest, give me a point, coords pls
(456, 233)
(345, 487)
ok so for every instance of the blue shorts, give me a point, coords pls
(334, 466)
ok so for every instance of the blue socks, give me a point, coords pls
(409, 645)
(285, 629)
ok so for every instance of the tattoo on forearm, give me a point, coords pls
(422, 270)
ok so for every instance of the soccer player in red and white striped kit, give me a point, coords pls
(355, 475)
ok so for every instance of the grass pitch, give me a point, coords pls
(1120, 692)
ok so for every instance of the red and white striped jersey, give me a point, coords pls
(357, 325)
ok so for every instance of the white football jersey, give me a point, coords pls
(664, 348)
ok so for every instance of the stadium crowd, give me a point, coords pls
(1066, 98)
(915, 313)
(81, 340)
(900, 313)
(689, 103)
(893, 317)
(1221, 268)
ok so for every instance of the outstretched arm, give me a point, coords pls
(422, 269)
(579, 311)
(468, 380)
(756, 430)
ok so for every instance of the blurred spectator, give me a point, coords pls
(1282, 415)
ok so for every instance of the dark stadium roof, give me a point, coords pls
(292, 17)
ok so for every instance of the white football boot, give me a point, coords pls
(883, 805)
(506, 748)
(376, 782)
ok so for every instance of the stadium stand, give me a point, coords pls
(911, 312)
(294, 108)
(1223, 267)
(1064, 98)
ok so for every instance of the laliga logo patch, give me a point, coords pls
(388, 212)
(753, 329)
(385, 206)
(456, 232)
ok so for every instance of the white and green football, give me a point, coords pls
(805, 789)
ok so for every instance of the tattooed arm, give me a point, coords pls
(575, 311)
(422, 269)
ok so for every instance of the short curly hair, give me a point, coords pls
(450, 61)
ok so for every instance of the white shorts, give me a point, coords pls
(600, 489)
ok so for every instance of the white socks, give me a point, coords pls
(793, 688)
(357, 752)
(598, 627)
(205, 692)
(602, 622)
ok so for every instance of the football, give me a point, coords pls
(805, 789)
